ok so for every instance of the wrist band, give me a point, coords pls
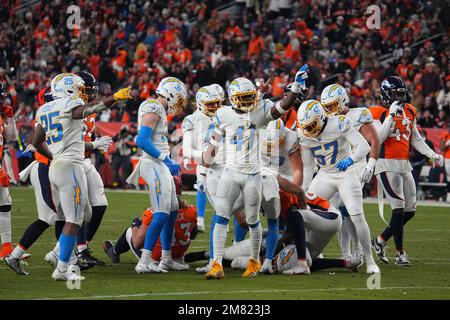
(279, 108)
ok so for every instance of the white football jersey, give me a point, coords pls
(203, 127)
(277, 157)
(160, 133)
(359, 116)
(64, 135)
(330, 146)
(242, 136)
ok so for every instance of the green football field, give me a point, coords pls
(427, 242)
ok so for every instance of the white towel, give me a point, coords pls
(133, 179)
(23, 175)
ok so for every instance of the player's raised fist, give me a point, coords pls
(299, 80)
(123, 94)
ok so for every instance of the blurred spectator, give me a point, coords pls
(121, 162)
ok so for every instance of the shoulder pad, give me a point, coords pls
(151, 106)
(344, 123)
(365, 116)
(187, 124)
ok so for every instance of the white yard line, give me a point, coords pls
(162, 294)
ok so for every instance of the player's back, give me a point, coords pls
(276, 156)
(330, 146)
(242, 136)
(159, 138)
(64, 135)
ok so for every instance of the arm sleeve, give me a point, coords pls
(144, 141)
(418, 142)
(189, 151)
(383, 128)
(361, 147)
(11, 130)
(308, 167)
(267, 107)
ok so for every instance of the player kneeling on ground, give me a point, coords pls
(134, 236)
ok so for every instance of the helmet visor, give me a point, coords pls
(245, 101)
(331, 108)
(210, 107)
(311, 129)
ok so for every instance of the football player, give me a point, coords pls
(239, 124)
(397, 131)
(57, 137)
(329, 141)
(157, 169)
(334, 100)
(96, 192)
(8, 131)
(445, 148)
(38, 173)
(198, 128)
(133, 237)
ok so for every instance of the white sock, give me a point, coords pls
(345, 239)
(166, 254)
(353, 235)
(5, 226)
(220, 237)
(82, 247)
(56, 249)
(363, 231)
(255, 236)
(62, 266)
(18, 252)
(380, 240)
(145, 256)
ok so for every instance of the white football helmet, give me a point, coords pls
(67, 85)
(219, 89)
(242, 94)
(208, 100)
(175, 92)
(275, 135)
(334, 99)
(311, 118)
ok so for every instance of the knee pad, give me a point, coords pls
(5, 208)
(252, 220)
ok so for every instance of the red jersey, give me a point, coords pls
(397, 144)
(289, 200)
(185, 223)
(445, 138)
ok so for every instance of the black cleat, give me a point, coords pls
(108, 247)
(86, 257)
(380, 250)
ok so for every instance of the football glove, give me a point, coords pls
(367, 172)
(344, 164)
(4, 178)
(395, 108)
(186, 163)
(437, 160)
(102, 143)
(123, 94)
(173, 166)
(299, 80)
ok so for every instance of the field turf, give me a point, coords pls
(427, 242)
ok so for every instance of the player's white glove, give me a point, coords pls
(186, 163)
(437, 160)
(102, 143)
(200, 186)
(367, 173)
(395, 108)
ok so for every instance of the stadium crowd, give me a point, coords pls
(138, 42)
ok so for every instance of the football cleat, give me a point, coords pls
(69, 275)
(148, 268)
(301, 268)
(170, 264)
(51, 258)
(16, 265)
(201, 224)
(204, 269)
(372, 268)
(216, 271)
(108, 247)
(267, 267)
(86, 257)
(380, 250)
(253, 268)
(6, 250)
(401, 259)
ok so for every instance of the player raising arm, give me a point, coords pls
(397, 131)
(58, 136)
